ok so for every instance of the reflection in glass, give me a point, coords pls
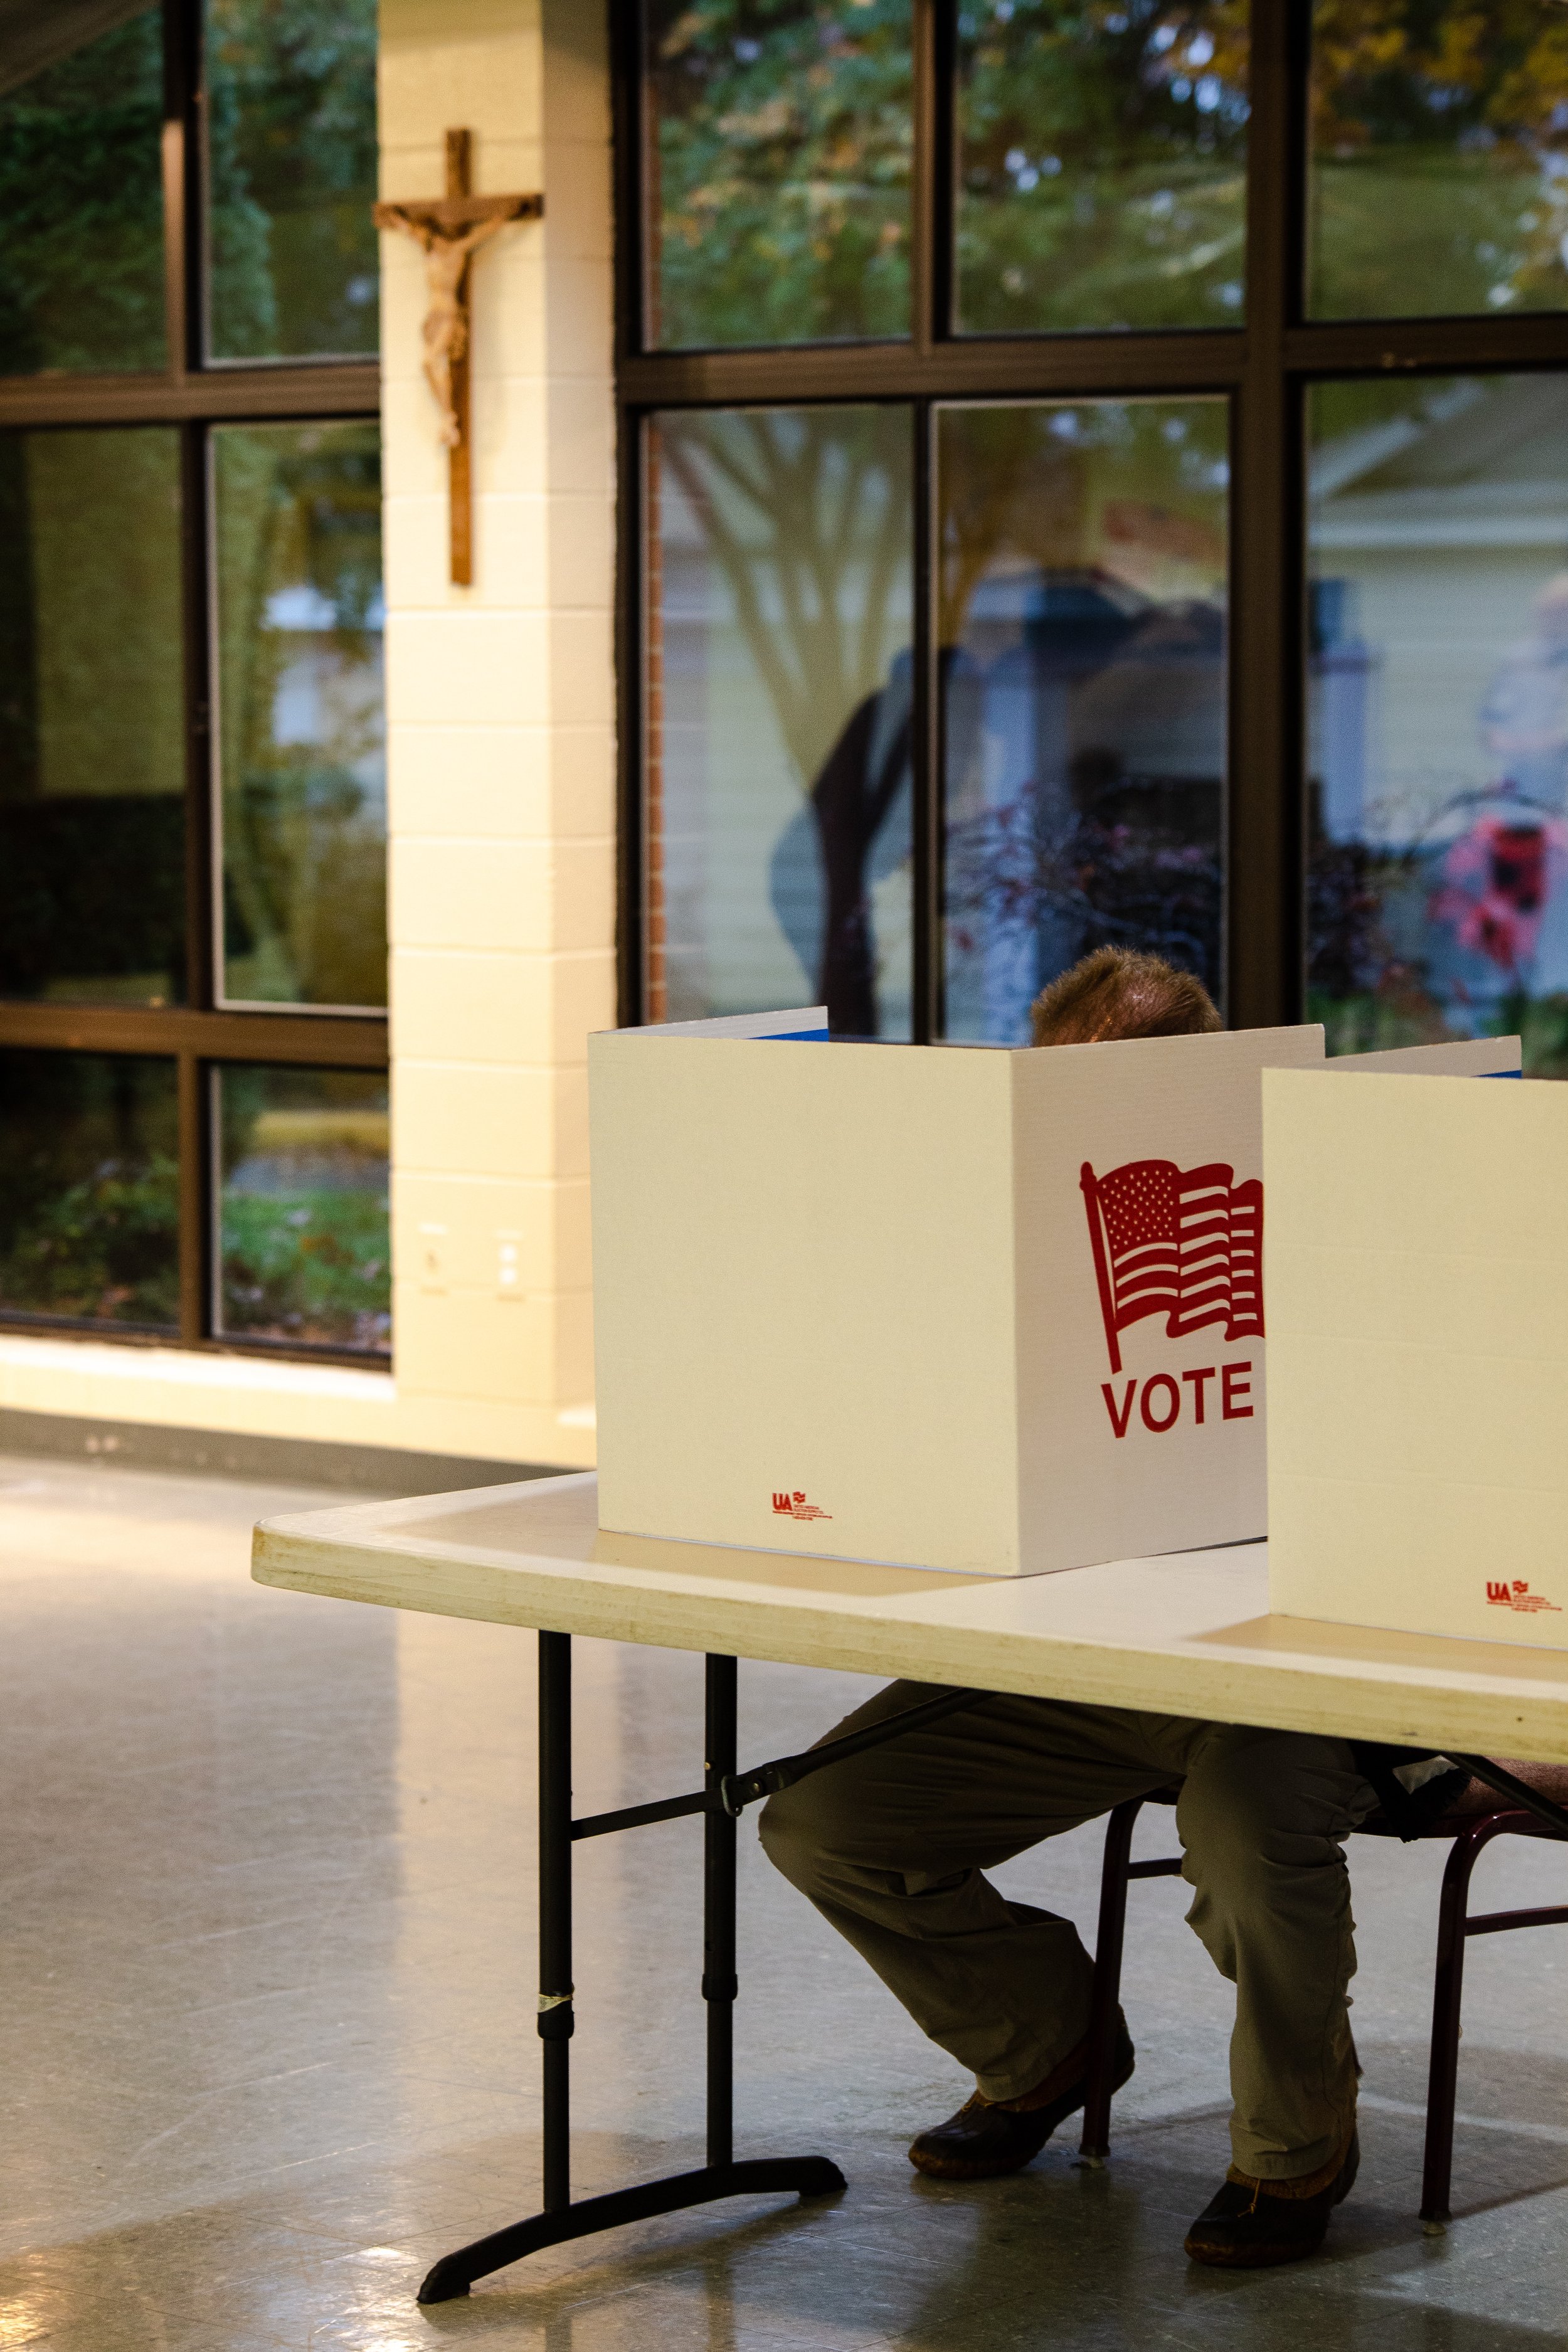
(1101, 165)
(1439, 164)
(81, 263)
(291, 175)
(1437, 753)
(1083, 589)
(304, 1253)
(781, 154)
(92, 763)
(779, 711)
(88, 1188)
(300, 623)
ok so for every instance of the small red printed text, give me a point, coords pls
(796, 1507)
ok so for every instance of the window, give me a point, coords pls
(780, 164)
(193, 957)
(780, 772)
(1083, 553)
(90, 1189)
(1100, 166)
(1438, 711)
(1094, 473)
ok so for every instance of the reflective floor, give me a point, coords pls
(267, 2040)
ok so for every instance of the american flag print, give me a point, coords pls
(1187, 1244)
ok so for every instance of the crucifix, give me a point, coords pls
(449, 230)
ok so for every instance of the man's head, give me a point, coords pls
(1115, 993)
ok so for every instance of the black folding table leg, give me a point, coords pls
(719, 1985)
(555, 2016)
(804, 2176)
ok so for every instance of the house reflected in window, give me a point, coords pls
(1084, 693)
(1439, 698)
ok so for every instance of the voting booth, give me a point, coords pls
(952, 1307)
(1417, 1267)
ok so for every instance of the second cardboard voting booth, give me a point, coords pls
(1416, 1268)
(962, 1308)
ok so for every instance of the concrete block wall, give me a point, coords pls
(501, 742)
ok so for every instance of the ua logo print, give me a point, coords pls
(1517, 1595)
(795, 1506)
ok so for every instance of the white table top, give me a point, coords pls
(1187, 1633)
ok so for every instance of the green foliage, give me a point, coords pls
(89, 1197)
(1101, 144)
(82, 261)
(1101, 163)
(310, 1266)
(1541, 1023)
(291, 149)
(105, 1249)
(1441, 141)
(783, 148)
(291, 154)
(91, 714)
(299, 512)
(1369, 1023)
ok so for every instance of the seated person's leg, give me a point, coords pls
(1263, 1816)
(891, 1846)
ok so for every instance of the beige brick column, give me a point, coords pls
(500, 709)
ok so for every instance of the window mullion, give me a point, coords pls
(200, 831)
(631, 620)
(1266, 849)
(925, 743)
(927, 224)
(172, 158)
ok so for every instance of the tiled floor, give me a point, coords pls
(267, 2036)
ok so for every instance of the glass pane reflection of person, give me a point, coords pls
(891, 1847)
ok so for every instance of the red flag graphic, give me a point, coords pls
(1187, 1244)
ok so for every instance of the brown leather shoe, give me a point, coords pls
(1245, 2228)
(985, 2139)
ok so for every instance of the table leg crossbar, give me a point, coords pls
(722, 1798)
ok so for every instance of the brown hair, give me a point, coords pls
(1115, 993)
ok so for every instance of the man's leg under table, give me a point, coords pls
(892, 1846)
(1263, 1816)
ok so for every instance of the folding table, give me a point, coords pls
(1185, 1633)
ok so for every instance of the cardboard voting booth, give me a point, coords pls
(950, 1307)
(1417, 1267)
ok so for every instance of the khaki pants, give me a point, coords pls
(890, 1846)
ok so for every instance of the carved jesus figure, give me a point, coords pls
(445, 334)
(449, 231)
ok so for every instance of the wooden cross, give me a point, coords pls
(449, 230)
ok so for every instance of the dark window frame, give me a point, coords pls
(1264, 366)
(193, 394)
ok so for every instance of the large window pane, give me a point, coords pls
(92, 762)
(1437, 759)
(1439, 167)
(301, 735)
(780, 211)
(303, 1249)
(1083, 591)
(81, 260)
(779, 706)
(1101, 165)
(291, 173)
(89, 1188)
